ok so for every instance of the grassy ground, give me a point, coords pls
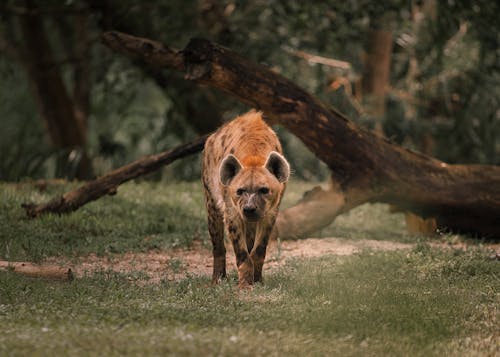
(139, 218)
(147, 216)
(420, 302)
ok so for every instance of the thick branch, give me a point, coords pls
(462, 197)
(38, 271)
(152, 52)
(109, 183)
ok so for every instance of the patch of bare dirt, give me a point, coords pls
(179, 263)
(197, 261)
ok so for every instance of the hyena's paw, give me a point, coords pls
(218, 277)
(245, 276)
(257, 277)
(245, 285)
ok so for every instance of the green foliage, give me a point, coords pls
(459, 81)
(23, 150)
(453, 96)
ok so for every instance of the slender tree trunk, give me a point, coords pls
(414, 223)
(81, 72)
(65, 125)
(376, 74)
(376, 81)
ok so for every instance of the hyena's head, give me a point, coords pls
(255, 189)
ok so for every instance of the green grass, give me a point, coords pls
(140, 217)
(418, 303)
(145, 216)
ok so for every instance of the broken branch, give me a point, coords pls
(108, 184)
(52, 272)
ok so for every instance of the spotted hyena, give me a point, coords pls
(244, 176)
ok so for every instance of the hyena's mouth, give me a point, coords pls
(251, 215)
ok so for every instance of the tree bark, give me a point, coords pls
(416, 224)
(365, 167)
(65, 125)
(81, 72)
(376, 74)
(108, 184)
(52, 272)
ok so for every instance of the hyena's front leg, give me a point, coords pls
(243, 260)
(216, 230)
(258, 254)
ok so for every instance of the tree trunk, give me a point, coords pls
(66, 129)
(365, 167)
(416, 224)
(375, 80)
(81, 73)
(375, 84)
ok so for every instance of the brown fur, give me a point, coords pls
(244, 177)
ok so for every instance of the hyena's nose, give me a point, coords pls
(250, 212)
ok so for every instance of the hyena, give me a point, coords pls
(244, 176)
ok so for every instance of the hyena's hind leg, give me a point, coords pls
(216, 230)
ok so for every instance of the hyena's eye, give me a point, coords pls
(264, 190)
(240, 191)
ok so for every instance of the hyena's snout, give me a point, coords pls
(250, 213)
(251, 210)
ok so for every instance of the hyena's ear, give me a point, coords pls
(229, 167)
(278, 166)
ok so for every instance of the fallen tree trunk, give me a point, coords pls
(365, 167)
(108, 184)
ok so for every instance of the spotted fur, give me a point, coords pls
(244, 177)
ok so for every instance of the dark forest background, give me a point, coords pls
(426, 74)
